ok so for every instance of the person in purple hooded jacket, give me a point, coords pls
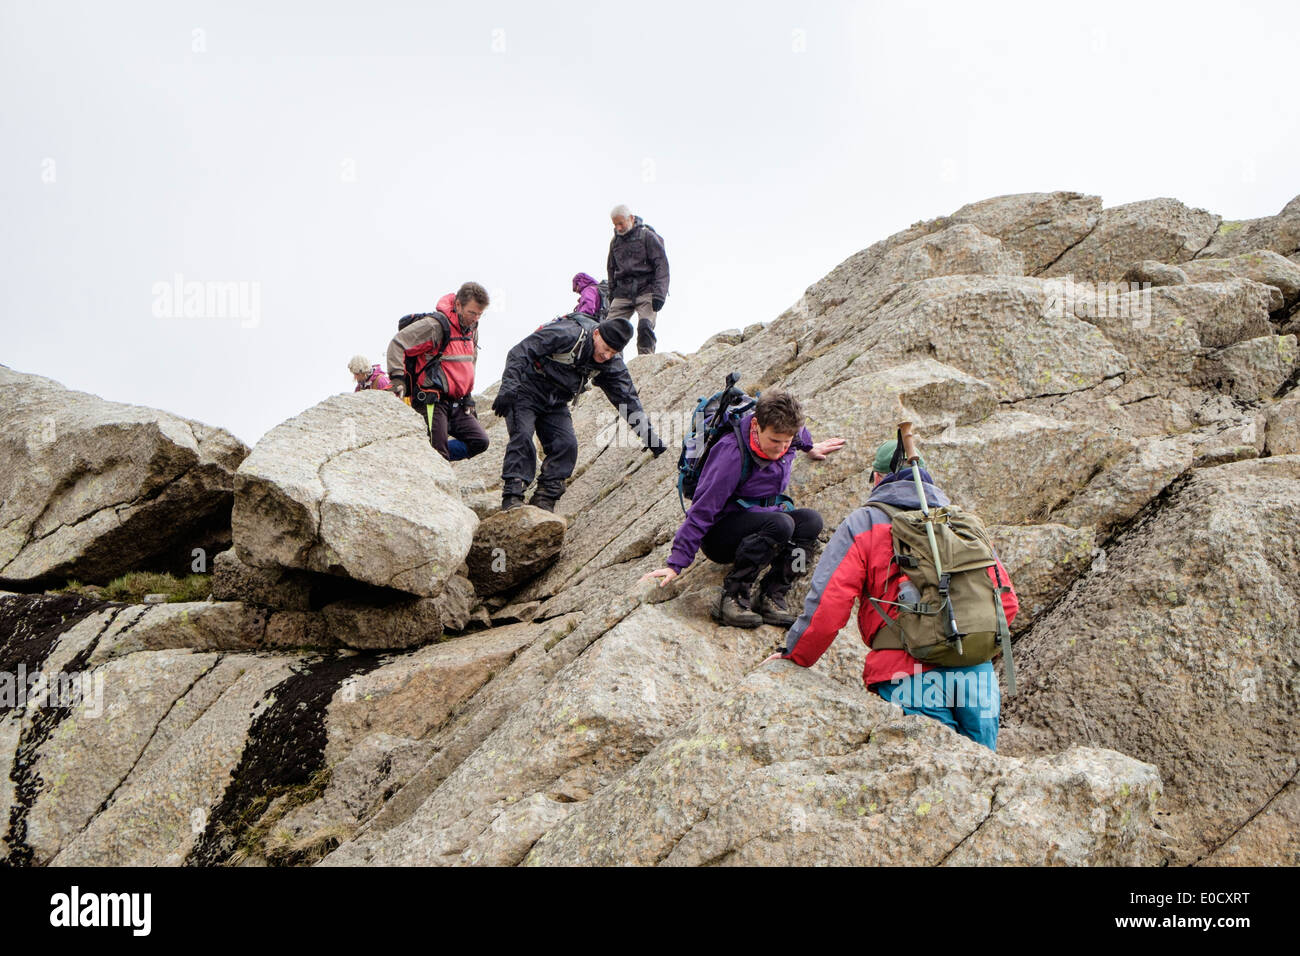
(588, 295)
(749, 522)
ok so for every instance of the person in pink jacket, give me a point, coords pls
(367, 376)
(588, 295)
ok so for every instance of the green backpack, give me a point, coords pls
(953, 619)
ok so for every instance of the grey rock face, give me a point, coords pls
(1181, 653)
(512, 546)
(91, 489)
(1111, 439)
(319, 492)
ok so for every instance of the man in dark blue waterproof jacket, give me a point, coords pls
(749, 522)
(543, 374)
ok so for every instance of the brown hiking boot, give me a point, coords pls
(773, 610)
(509, 501)
(730, 612)
(546, 504)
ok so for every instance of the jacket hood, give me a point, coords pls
(899, 490)
(582, 281)
(447, 306)
(637, 223)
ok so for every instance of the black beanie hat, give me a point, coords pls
(616, 333)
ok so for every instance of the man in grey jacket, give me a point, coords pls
(638, 275)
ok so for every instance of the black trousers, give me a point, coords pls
(552, 424)
(443, 419)
(753, 540)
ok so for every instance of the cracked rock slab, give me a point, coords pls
(94, 748)
(593, 720)
(1040, 226)
(1120, 492)
(92, 489)
(352, 487)
(513, 546)
(1283, 430)
(1043, 561)
(792, 768)
(1160, 229)
(1016, 467)
(161, 811)
(414, 694)
(1252, 370)
(1280, 233)
(1261, 265)
(1182, 651)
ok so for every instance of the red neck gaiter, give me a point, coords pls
(753, 441)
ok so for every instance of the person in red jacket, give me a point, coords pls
(431, 362)
(856, 565)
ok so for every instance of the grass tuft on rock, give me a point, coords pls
(131, 588)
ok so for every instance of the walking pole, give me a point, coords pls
(907, 441)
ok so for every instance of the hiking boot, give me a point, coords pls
(730, 612)
(509, 501)
(773, 610)
(546, 504)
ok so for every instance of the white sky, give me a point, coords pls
(358, 160)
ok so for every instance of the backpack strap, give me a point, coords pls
(445, 324)
(570, 355)
(746, 456)
(1004, 631)
(423, 359)
(784, 500)
(889, 637)
(892, 638)
(586, 325)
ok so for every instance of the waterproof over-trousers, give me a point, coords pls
(781, 541)
(552, 424)
(445, 421)
(967, 699)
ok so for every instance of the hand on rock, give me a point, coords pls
(663, 576)
(819, 451)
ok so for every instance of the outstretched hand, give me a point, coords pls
(663, 576)
(775, 656)
(819, 451)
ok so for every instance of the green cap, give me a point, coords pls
(885, 455)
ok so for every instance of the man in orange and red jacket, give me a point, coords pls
(431, 361)
(859, 563)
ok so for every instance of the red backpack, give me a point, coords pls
(424, 372)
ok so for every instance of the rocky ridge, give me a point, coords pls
(1132, 447)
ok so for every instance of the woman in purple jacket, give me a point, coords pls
(751, 523)
(588, 294)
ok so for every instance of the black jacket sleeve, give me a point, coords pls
(547, 340)
(610, 268)
(616, 382)
(658, 257)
